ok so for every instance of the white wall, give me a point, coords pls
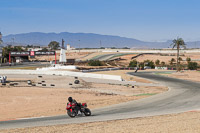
(63, 73)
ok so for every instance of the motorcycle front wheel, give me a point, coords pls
(71, 114)
(87, 112)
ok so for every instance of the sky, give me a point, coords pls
(146, 20)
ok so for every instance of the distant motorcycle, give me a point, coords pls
(73, 109)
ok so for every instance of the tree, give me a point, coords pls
(188, 59)
(192, 65)
(141, 65)
(180, 59)
(44, 49)
(133, 63)
(163, 63)
(157, 62)
(17, 48)
(6, 50)
(172, 61)
(95, 63)
(53, 45)
(149, 63)
(178, 43)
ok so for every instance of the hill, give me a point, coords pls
(84, 40)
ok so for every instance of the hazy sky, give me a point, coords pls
(147, 20)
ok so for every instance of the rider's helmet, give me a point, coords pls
(70, 99)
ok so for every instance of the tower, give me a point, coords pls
(63, 47)
(62, 53)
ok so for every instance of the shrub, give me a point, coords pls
(141, 65)
(133, 63)
(192, 65)
(149, 63)
(162, 63)
(95, 63)
(157, 62)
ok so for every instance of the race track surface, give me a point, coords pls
(182, 96)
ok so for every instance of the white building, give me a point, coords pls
(68, 47)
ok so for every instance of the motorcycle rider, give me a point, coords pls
(71, 100)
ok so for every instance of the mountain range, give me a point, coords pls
(86, 40)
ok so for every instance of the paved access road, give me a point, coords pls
(106, 57)
(26, 64)
(182, 96)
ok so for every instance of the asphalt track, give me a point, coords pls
(104, 57)
(183, 96)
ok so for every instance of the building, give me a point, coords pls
(69, 47)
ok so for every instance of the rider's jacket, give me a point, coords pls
(73, 101)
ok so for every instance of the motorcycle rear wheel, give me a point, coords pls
(87, 112)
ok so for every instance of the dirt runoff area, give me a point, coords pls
(187, 122)
(186, 75)
(47, 95)
(176, 123)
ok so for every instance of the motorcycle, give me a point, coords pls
(73, 108)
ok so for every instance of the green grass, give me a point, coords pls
(93, 58)
(146, 94)
(160, 73)
(118, 55)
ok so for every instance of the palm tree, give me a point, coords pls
(178, 43)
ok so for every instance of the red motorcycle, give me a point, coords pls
(73, 109)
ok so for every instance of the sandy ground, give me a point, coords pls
(187, 75)
(175, 123)
(167, 58)
(23, 100)
(187, 122)
(69, 55)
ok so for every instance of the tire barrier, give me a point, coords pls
(76, 82)
(12, 84)
(29, 82)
